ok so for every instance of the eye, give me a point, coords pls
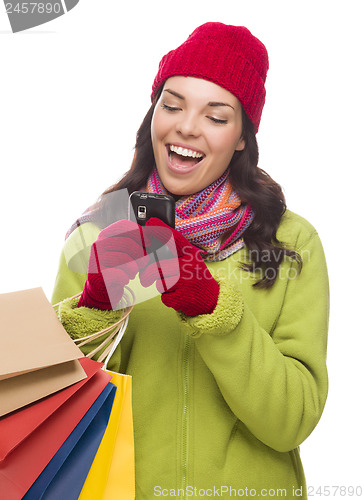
(217, 120)
(170, 108)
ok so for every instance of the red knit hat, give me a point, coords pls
(229, 56)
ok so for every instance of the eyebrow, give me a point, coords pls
(174, 93)
(211, 103)
(220, 104)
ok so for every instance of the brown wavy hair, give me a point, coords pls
(253, 185)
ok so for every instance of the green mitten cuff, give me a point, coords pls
(225, 317)
(82, 321)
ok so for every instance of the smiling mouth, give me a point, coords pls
(183, 157)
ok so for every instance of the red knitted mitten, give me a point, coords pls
(184, 281)
(116, 257)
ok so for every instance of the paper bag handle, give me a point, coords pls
(116, 330)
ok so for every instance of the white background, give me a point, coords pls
(75, 90)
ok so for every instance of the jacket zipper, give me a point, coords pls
(185, 415)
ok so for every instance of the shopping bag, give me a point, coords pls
(24, 464)
(66, 472)
(112, 474)
(37, 357)
(18, 425)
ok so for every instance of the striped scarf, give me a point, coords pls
(204, 218)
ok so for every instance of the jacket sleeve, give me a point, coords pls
(73, 262)
(274, 382)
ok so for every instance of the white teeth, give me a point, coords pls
(185, 152)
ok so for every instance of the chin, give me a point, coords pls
(182, 187)
(177, 191)
(174, 186)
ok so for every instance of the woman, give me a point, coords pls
(228, 366)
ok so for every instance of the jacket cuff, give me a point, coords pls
(82, 321)
(225, 317)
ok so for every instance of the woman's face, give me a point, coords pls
(196, 127)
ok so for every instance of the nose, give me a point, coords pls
(188, 125)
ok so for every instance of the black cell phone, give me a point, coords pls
(144, 206)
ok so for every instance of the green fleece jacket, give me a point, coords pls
(221, 402)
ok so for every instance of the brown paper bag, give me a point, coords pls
(37, 357)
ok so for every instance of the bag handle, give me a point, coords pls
(116, 330)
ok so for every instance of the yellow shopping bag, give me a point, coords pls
(112, 475)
